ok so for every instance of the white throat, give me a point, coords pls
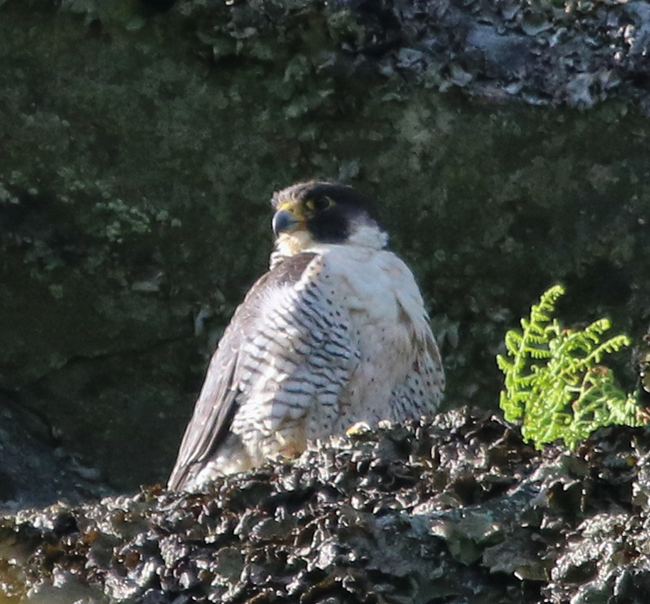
(364, 236)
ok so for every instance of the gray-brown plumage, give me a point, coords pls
(334, 334)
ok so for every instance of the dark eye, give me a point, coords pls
(318, 204)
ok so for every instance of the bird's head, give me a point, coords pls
(319, 212)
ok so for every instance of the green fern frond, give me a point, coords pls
(554, 383)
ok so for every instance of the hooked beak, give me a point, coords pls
(287, 219)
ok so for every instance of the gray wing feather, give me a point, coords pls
(217, 403)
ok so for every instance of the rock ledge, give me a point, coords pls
(457, 509)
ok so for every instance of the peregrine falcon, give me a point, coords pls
(335, 333)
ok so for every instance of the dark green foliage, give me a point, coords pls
(554, 383)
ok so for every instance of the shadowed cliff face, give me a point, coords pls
(456, 509)
(140, 149)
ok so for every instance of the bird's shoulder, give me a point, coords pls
(286, 272)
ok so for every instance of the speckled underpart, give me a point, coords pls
(334, 334)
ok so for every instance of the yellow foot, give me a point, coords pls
(358, 428)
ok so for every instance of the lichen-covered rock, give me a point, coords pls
(453, 509)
